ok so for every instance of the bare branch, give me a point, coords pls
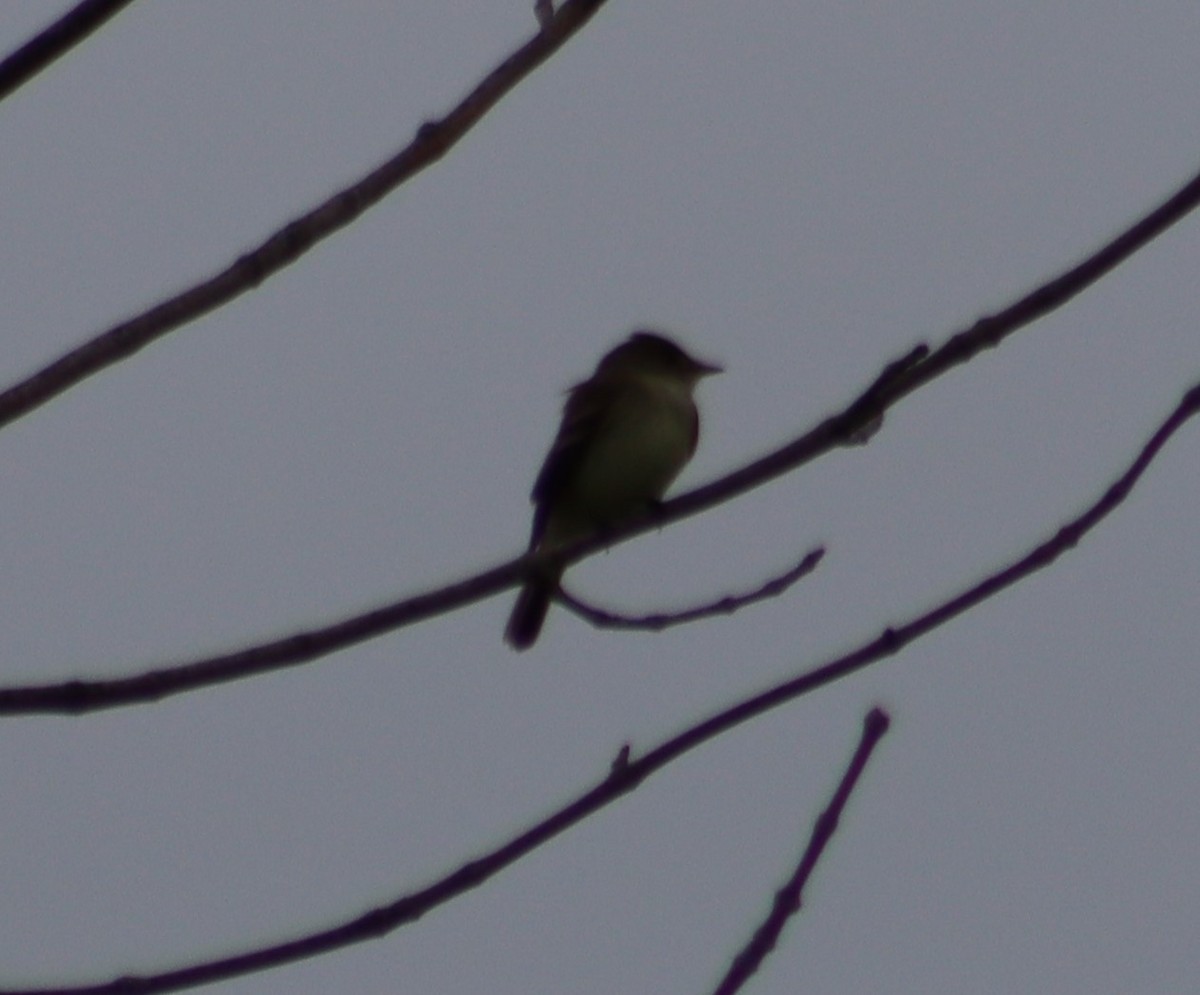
(55, 41)
(77, 696)
(990, 331)
(788, 898)
(723, 606)
(986, 333)
(433, 140)
(625, 774)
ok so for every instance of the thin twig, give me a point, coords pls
(726, 605)
(788, 898)
(625, 775)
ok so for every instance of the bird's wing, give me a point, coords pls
(583, 417)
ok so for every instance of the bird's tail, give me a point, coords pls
(528, 614)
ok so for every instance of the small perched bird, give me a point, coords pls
(626, 433)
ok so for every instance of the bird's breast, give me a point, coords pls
(629, 463)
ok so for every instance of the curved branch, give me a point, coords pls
(78, 696)
(433, 140)
(55, 41)
(727, 605)
(625, 774)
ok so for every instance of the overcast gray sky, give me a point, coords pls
(799, 191)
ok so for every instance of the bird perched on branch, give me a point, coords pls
(626, 433)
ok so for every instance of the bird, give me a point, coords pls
(626, 432)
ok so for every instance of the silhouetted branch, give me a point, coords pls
(433, 140)
(626, 774)
(788, 898)
(75, 697)
(723, 606)
(78, 696)
(56, 40)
